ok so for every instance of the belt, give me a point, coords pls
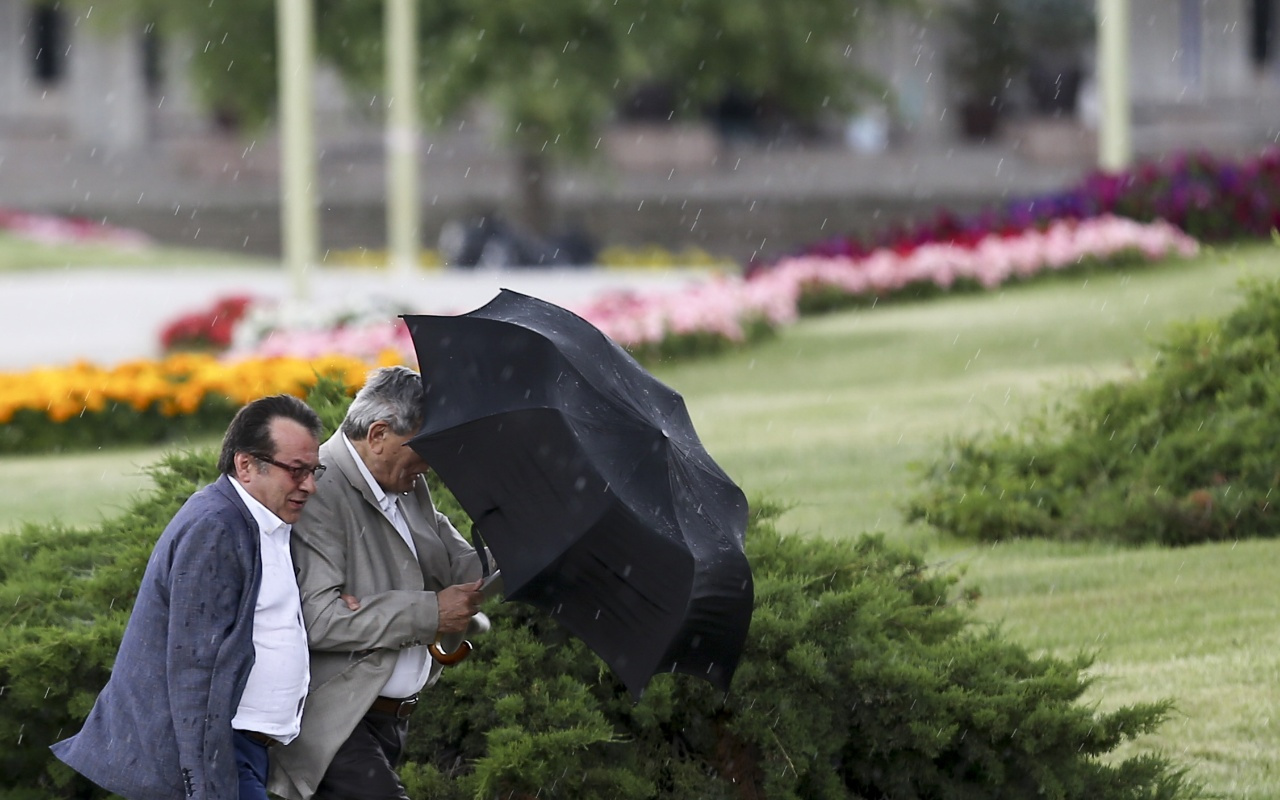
(400, 708)
(261, 738)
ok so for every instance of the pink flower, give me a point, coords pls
(730, 309)
(48, 229)
(989, 260)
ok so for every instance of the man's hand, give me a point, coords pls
(350, 600)
(458, 604)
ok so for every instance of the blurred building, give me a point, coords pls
(64, 75)
(1197, 69)
(1201, 74)
(103, 123)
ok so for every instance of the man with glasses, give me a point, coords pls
(382, 575)
(213, 669)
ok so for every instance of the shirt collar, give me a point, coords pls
(385, 501)
(267, 521)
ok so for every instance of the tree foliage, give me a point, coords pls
(554, 72)
(863, 676)
(1171, 456)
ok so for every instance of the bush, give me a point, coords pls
(116, 425)
(1171, 456)
(863, 677)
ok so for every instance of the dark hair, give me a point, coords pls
(250, 429)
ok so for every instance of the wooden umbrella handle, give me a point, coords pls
(449, 659)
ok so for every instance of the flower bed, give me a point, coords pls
(615, 257)
(822, 282)
(1208, 197)
(612, 257)
(48, 229)
(83, 406)
(709, 317)
(142, 401)
(729, 311)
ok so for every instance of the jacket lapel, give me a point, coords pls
(335, 452)
(223, 486)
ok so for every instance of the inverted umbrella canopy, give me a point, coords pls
(584, 475)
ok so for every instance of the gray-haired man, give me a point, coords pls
(373, 534)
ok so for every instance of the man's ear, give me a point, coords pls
(377, 435)
(243, 463)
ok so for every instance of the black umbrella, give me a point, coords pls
(585, 477)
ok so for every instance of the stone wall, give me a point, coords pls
(765, 228)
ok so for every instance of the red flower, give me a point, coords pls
(206, 330)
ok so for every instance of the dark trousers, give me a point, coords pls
(251, 764)
(364, 768)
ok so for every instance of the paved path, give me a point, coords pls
(53, 317)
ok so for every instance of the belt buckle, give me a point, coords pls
(406, 707)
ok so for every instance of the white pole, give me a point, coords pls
(295, 23)
(1115, 148)
(401, 37)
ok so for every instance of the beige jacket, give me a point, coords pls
(344, 545)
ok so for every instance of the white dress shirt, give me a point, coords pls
(277, 685)
(413, 664)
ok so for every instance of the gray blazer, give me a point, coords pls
(161, 728)
(344, 545)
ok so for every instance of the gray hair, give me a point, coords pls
(390, 394)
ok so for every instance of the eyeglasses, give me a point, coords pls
(299, 474)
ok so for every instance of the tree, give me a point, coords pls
(555, 72)
(551, 70)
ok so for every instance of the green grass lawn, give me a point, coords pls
(17, 253)
(833, 412)
(831, 415)
(76, 489)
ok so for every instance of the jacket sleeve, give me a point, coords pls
(323, 542)
(464, 563)
(207, 582)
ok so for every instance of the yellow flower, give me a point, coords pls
(179, 384)
(389, 357)
(63, 410)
